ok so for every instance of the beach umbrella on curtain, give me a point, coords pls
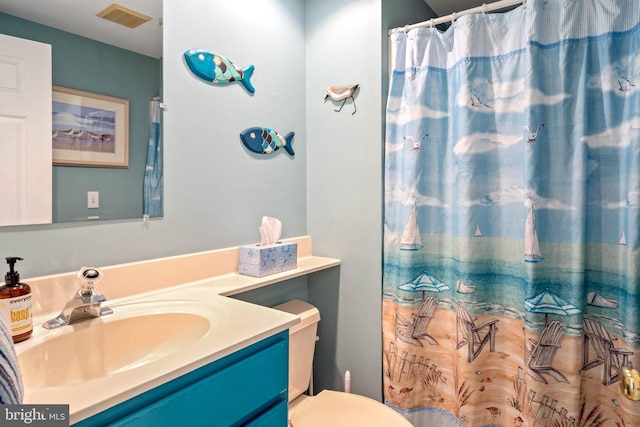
(424, 282)
(548, 302)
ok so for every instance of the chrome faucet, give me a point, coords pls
(86, 304)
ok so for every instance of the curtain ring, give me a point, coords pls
(431, 23)
(454, 15)
(484, 8)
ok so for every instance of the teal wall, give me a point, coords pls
(216, 192)
(84, 64)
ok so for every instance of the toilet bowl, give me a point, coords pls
(328, 408)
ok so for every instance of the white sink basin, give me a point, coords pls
(149, 340)
(120, 342)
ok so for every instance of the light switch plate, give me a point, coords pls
(93, 199)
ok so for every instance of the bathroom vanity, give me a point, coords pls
(175, 350)
(248, 388)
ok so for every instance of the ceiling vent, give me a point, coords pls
(123, 16)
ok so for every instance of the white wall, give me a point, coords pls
(344, 184)
(216, 192)
(347, 43)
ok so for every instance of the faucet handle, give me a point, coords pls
(90, 277)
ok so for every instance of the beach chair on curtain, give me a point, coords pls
(412, 331)
(597, 337)
(472, 335)
(539, 356)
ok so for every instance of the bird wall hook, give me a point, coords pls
(342, 93)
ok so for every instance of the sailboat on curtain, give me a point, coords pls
(478, 233)
(531, 245)
(410, 240)
(623, 240)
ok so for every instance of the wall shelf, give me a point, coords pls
(218, 268)
(234, 283)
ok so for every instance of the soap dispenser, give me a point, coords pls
(15, 303)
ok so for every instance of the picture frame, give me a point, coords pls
(89, 129)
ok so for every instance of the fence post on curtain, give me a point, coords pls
(511, 268)
(153, 174)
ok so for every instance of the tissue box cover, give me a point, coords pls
(259, 261)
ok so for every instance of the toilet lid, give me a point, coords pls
(336, 409)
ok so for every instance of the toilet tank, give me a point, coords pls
(302, 342)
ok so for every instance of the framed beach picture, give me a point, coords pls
(89, 129)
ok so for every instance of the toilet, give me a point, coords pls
(328, 408)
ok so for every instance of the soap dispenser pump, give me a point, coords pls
(15, 303)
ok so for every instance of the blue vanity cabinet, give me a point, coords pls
(246, 388)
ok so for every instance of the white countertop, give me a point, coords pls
(234, 325)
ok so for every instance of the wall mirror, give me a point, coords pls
(98, 56)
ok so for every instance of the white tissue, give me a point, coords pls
(270, 230)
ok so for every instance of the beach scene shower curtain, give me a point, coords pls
(153, 189)
(512, 197)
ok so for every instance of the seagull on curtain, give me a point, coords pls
(415, 145)
(532, 135)
(624, 87)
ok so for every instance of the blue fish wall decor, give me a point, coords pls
(266, 141)
(215, 68)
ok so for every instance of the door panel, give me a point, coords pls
(25, 132)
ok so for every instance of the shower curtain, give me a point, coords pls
(153, 190)
(512, 196)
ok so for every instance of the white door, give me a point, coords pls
(25, 132)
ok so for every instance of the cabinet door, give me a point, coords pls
(276, 416)
(25, 132)
(233, 396)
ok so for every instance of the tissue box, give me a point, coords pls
(259, 261)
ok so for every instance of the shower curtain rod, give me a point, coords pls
(455, 15)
